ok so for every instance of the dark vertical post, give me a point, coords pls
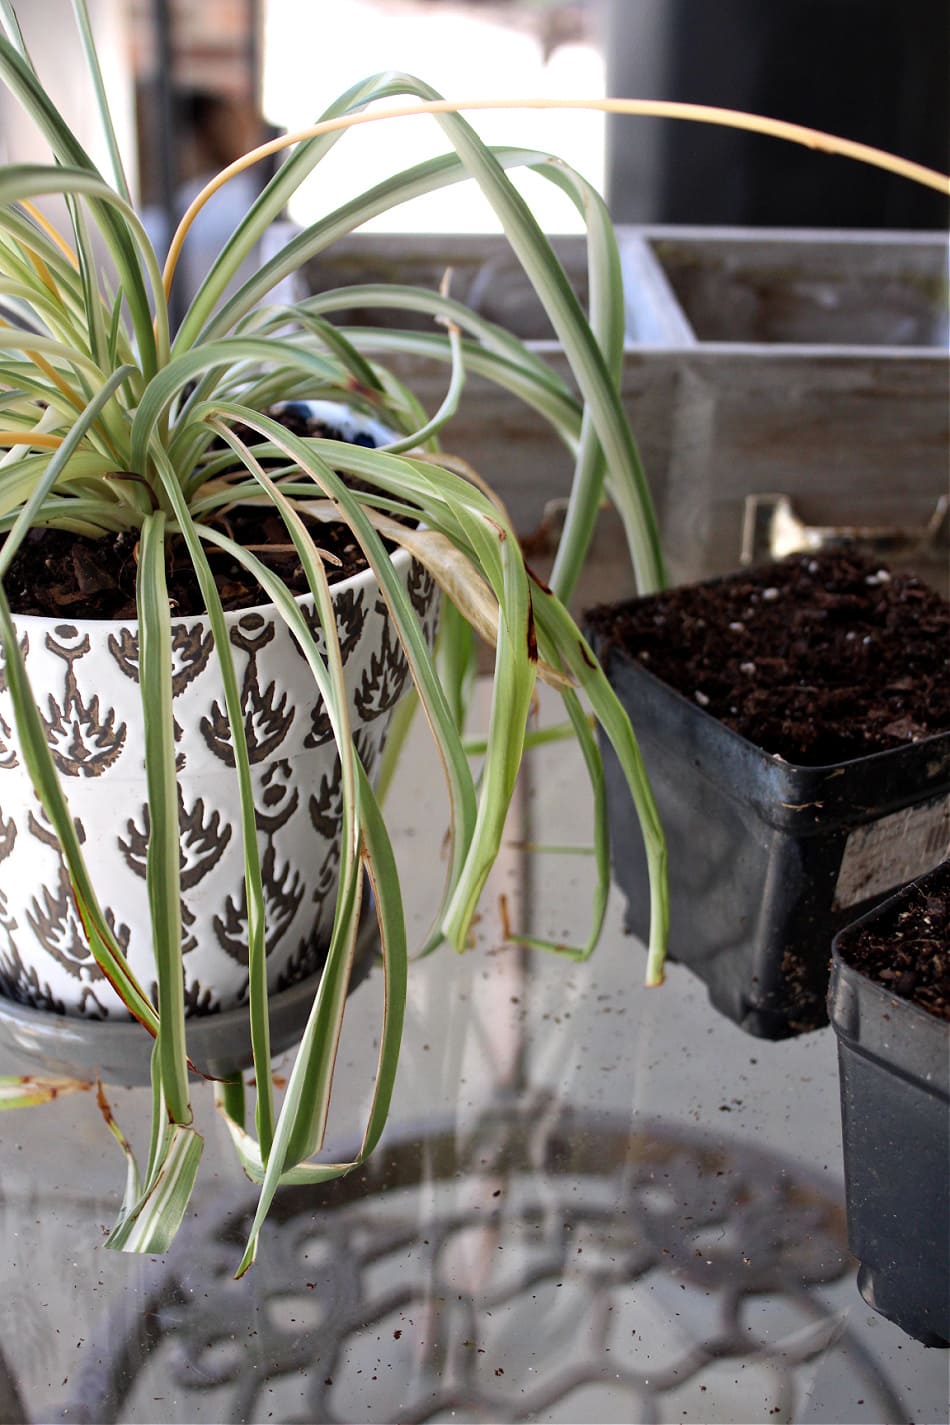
(871, 70)
(166, 146)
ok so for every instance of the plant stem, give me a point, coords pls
(643, 108)
(231, 1099)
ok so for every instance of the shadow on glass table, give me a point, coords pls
(548, 1265)
(594, 1203)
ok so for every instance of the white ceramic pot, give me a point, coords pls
(85, 678)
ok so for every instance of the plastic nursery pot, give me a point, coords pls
(767, 859)
(894, 1065)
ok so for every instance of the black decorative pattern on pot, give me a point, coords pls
(368, 747)
(385, 678)
(14, 980)
(311, 618)
(56, 923)
(24, 653)
(91, 1007)
(84, 741)
(326, 815)
(189, 940)
(327, 875)
(300, 965)
(39, 826)
(21, 983)
(8, 835)
(267, 717)
(121, 933)
(203, 838)
(191, 650)
(350, 609)
(8, 753)
(351, 618)
(283, 893)
(279, 798)
(326, 807)
(200, 999)
(321, 728)
(421, 588)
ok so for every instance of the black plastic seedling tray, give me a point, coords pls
(894, 1065)
(767, 860)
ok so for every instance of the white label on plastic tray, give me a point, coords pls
(885, 853)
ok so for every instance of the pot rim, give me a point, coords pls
(842, 968)
(352, 581)
(363, 577)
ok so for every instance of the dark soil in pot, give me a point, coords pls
(795, 725)
(57, 574)
(906, 947)
(817, 659)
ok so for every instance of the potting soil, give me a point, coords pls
(819, 658)
(906, 948)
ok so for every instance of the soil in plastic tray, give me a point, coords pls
(57, 574)
(819, 658)
(906, 948)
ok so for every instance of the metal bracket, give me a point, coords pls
(772, 529)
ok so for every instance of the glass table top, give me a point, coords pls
(593, 1203)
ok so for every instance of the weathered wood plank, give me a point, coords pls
(854, 433)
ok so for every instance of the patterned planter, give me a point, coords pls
(85, 678)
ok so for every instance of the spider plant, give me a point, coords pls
(110, 422)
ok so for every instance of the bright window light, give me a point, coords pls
(314, 52)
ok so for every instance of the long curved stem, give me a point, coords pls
(651, 108)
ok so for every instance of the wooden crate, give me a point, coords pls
(811, 364)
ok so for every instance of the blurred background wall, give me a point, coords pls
(875, 70)
(872, 70)
(50, 36)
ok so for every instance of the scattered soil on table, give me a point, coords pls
(57, 574)
(819, 658)
(907, 948)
